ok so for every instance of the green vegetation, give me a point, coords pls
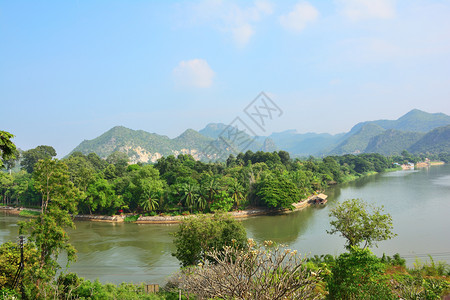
(357, 142)
(29, 213)
(387, 137)
(180, 185)
(392, 142)
(353, 220)
(435, 141)
(46, 231)
(196, 236)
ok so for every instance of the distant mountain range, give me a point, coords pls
(417, 131)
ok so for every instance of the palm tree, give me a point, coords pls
(190, 195)
(211, 190)
(236, 191)
(149, 204)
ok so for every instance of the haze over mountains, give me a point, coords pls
(417, 131)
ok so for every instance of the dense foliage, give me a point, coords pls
(198, 235)
(182, 185)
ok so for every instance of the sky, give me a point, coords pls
(71, 70)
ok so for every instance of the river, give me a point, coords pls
(419, 202)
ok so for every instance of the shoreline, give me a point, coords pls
(241, 214)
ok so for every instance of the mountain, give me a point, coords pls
(304, 144)
(213, 130)
(358, 138)
(142, 146)
(392, 142)
(358, 142)
(435, 141)
(417, 131)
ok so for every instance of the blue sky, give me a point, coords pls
(70, 70)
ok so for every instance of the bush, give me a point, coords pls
(132, 218)
(358, 275)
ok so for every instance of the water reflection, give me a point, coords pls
(419, 202)
(283, 228)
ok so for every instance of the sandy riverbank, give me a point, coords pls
(171, 219)
(428, 164)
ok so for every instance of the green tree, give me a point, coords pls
(7, 147)
(190, 195)
(32, 156)
(358, 275)
(9, 262)
(59, 200)
(197, 235)
(101, 197)
(278, 192)
(359, 222)
(237, 192)
(146, 188)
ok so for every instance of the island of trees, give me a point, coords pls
(182, 185)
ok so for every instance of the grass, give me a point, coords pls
(132, 218)
(29, 213)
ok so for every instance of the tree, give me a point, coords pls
(147, 188)
(32, 156)
(198, 235)
(190, 195)
(278, 192)
(359, 223)
(7, 147)
(9, 262)
(236, 191)
(59, 200)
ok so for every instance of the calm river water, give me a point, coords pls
(419, 202)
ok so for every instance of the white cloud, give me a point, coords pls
(367, 9)
(302, 14)
(193, 73)
(230, 18)
(242, 34)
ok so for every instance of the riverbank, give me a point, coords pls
(241, 214)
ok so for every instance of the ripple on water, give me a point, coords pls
(443, 180)
(400, 173)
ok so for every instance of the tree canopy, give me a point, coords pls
(198, 235)
(7, 147)
(361, 223)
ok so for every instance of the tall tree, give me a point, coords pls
(59, 201)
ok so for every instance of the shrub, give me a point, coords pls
(255, 272)
(358, 275)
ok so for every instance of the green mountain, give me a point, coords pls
(358, 142)
(415, 120)
(392, 142)
(435, 141)
(217, 140)
(358, 138)
(142, 146)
